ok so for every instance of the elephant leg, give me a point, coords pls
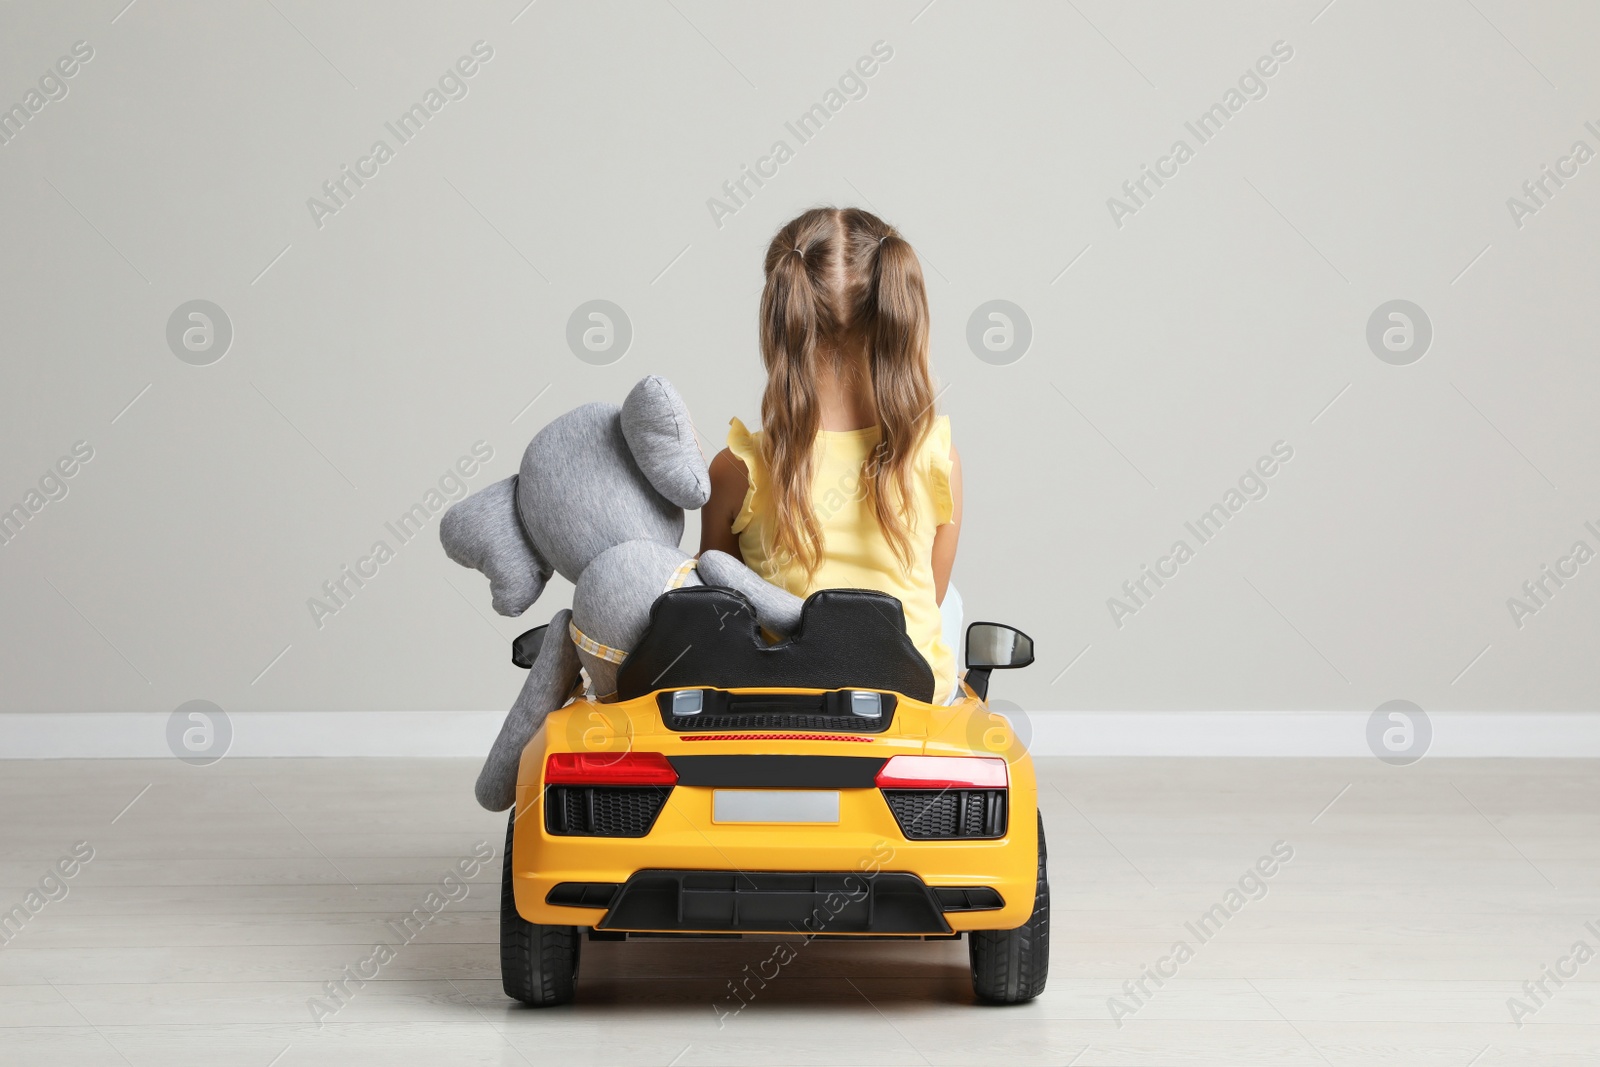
(550, 680)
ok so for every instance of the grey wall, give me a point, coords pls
(1171, 346)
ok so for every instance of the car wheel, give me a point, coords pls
(1010, 966)
(538, 963)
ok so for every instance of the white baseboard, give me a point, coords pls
(134, 735)
(142, 735)
(1456, 734)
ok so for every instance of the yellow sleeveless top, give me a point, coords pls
(855, 553)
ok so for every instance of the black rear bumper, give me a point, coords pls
(776, 902)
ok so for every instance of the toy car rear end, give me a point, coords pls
(754, 810)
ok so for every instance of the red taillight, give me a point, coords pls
(609, 768)
(943, 772)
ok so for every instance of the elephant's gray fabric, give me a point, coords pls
(777, 609)
(661, 439)
(482, 532)
(613, 598)
(550, 681)
(580, 491)
(599, 499)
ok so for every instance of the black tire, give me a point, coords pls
(538, 963)
(1010, 966)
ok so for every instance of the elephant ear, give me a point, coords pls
(656, 425)
(485, 533)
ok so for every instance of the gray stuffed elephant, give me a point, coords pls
(599, 499)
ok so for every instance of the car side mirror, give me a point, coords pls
(994, 646)
(525, 649)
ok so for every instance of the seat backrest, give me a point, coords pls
(707, 636)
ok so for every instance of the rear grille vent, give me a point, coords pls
(602, 811)
(935, 814)
(725, 712)
(599, 894)
(966, 898)
(779, 721)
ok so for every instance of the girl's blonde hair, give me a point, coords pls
(843, 291)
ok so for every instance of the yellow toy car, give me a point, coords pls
(806, 788)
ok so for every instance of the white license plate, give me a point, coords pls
(775, 805)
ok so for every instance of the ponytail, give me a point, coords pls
(790, 415)
(901, 384)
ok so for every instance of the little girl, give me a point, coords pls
(852, 481)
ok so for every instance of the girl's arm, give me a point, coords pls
(944, 538)
(728, 483)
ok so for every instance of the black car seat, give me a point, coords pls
(707, 636)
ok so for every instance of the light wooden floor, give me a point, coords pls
(226, 897)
